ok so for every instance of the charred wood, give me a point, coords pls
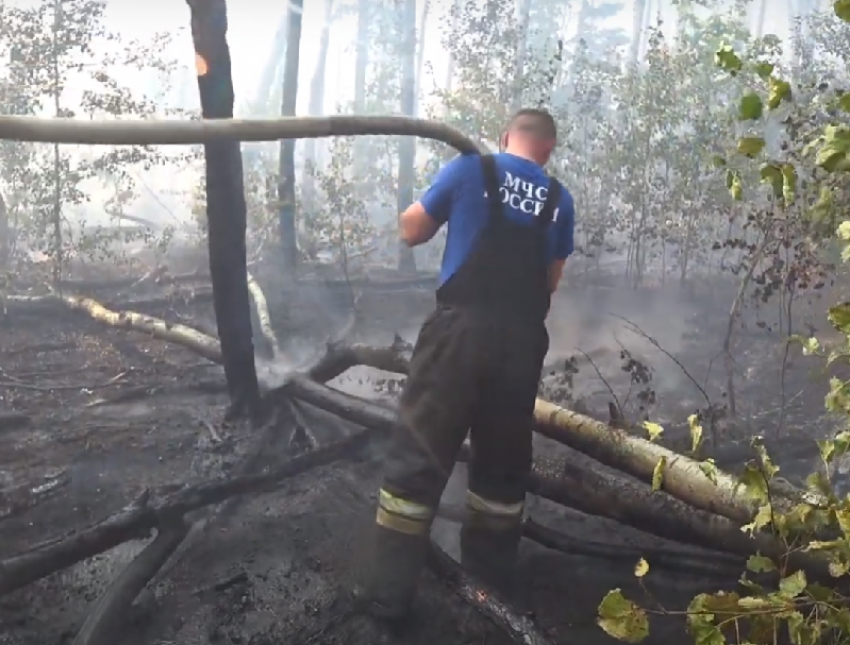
(521, 629)
(136, 520)
(707, 564)
(106, 620)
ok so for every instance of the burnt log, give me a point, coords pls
(107, 620)
(521, 629)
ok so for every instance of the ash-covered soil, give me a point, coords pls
(117, 413)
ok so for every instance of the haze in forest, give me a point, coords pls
(416, 57)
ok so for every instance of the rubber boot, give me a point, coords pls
(491, 557)
(388, 585)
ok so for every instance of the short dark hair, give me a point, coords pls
(535, 121)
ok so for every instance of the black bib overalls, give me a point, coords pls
(475, 369)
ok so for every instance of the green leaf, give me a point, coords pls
(827, 545)
(764, 70)
(768, 468)
(844, 102)
(749, 603)
(717, 161)
(793, 585)
(726, 58)
(641, 568)
(653, 430)
(658, 474)
(622, 619)
(696, 432)
(760, 564)
(734, 184)
(789, 182)
(753, 481)
(771, 174)
(810, 346)
(777, 91)
(763, 518)
(750, 146)
(842, 9)
(822, 209)
(842, 516)
(832, 156)
(819, 482)
(838, 397)
(839, 317)
(750, 108)
(702, 612)
(827, 450)
(709, 469)
(838, 568)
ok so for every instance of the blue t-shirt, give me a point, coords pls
(457, 197)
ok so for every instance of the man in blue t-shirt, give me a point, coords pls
(477, 362)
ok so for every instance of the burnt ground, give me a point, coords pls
(117, 412)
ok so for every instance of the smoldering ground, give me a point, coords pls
(273, 568)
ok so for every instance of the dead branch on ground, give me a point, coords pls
(106, 621)
(139, 518)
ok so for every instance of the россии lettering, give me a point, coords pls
(523, 196)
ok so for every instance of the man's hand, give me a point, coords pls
(416, 226)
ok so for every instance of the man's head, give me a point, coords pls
(531, 134)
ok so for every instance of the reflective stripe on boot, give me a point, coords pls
(397, 557)
(489, 544)
(402, 515)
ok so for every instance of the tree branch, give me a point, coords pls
(136, 520)
(106, 620)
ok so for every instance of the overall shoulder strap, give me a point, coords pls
(553, 198)
(491, 185)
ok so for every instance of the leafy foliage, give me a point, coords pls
(795, 150)
(61, 54)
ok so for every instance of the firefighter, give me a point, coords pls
(476, 364)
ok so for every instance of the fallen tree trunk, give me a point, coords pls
(683, 477)
(157, 328)
(568, 483)
(41, 305)
(653, 512)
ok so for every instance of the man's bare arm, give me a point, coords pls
(556, 271)
(416, 226)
